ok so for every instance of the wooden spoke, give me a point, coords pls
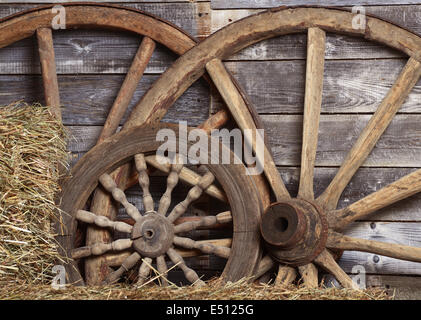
(100, 248)
(162, 269)
(189, 273)
(285, 276)
(187, 253)
(394, 192)
(193, 195)
(326, 261)
(208, 221)
(144, 271)
(372, 132)
(215, 121)
(144, 181)
(186, 175)
(115, 259)
(128, 263)
(244, 120)
(128, 88)
(48, 69)
(264, 266)
(101, 221)
(316, 42)
(108, 183)
(342, 242)
(208, 248)
(172, 181)
(310, 275)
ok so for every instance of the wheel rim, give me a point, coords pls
(244, 204)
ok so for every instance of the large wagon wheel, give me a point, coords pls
(304, 232)
(99, 16)
(157, 231)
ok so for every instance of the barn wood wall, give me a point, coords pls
(91, 66)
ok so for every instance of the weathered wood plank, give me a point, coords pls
(188, 15)
(349, 85)
(337, 46)
(86, 99)
(365, 182)
(399, 233)
(83, 51)
(400, 145)
(234, 4)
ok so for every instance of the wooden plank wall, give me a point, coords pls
(91, 67)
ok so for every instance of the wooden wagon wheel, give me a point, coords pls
(304, 232)
(99, 16)
(157, 231)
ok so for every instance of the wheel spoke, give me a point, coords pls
(186, 175)
(162, 269)
(310, 276)
(215, 121)
(144, 182)
(244, 120)
(109, 184)
(208, 221)
(48, 69)
(285, 276)
(208, 248)
(394, 192)
(312, 105)
(102, 221)
(101, 248)
(326, 261)
(193, 195)
(371, 133)
(186, 253)
(128, 88)
(129, 263)
(172, 181)
(264, 266)
(397, 251)
(189, 273)
(144, 271)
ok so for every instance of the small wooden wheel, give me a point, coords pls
(307, 228)
(38, 21)
(159, 230)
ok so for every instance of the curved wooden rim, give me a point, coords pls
(120, 148)
(90, 14)
(247, 31)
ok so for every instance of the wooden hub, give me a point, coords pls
(153, 235)
(295, 231)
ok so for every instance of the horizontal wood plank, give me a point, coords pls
(86, 99)
(400, 145)
(350, 86)
(236, 4)
(365, 182)
(398, 233)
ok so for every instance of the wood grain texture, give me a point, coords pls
(244, 120)
(405, 234)
(48, 67)
(222, 4)
(312, 108)
(371, 133)
(350, 86)
(399, 190)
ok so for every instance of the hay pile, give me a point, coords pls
(32, 146)
(241, 290)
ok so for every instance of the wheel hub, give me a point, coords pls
(153, 235)
(295, 231)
